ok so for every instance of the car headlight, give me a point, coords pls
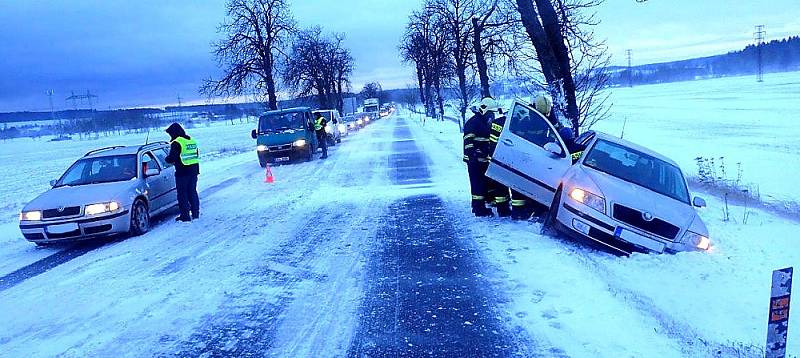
(366, 119)
(342, 128)
(328, 129)
(699, 241)
(101, 208)
(360, 122)
(262, 148)
(35, 215)
(299, 143)
(593, 201)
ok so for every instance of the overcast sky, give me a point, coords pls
(147, 52)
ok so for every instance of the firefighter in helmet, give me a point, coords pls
(476, 155)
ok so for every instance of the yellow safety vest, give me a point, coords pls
(318, 124)
(190, 154)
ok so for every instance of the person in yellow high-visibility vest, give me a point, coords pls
(184, 154)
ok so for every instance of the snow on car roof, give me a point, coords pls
(618, 140)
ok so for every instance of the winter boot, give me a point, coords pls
(503, 210)
(480, 209)
(520, 213)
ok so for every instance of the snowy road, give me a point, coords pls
(371, 253)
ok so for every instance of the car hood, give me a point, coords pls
(618, 191)
(82, 195)
(284, 137)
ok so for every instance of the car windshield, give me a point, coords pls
(638, 168)
(276, 122)
(99, 170)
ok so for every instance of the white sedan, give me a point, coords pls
(618, 194)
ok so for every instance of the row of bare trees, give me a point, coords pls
(541, 45)
(262, 48)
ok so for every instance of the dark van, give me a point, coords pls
(285, 135)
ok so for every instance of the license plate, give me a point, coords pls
(640, 240)
(282, 159)
(62, 228)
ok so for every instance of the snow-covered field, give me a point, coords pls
(283, 269)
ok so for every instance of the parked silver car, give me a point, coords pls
(109, 191)
(618, 194)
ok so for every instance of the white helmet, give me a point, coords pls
(488, 104)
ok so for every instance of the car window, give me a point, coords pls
(100, 170)
(638, 168)
(531, 127)
(149, 162)
(161, 155)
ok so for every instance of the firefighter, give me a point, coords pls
(185, 156)
(476, 155)
(322, 136)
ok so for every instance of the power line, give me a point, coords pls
(629, 54)
(759, 36)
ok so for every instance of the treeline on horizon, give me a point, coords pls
(776, 56)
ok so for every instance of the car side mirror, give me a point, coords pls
(53, 182)
(151, 172)
(254, 134)
(699, 202)
(554, 148)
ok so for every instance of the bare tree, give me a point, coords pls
(319, 65)
(456, 18)
(571, 61)
(256, 32)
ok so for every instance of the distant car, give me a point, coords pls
(351, 123)
(112, 190)
(618, 194)
(335, 129)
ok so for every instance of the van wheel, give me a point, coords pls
(140, 218)
(310, 154)
(549, 225)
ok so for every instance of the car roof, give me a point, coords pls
(618, 140)
(323, 110)
(288, 110)
(123, 150)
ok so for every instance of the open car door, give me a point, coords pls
(530, 157)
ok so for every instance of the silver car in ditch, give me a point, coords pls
(114, 190)
(618, 194)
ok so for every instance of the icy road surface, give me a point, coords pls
(374, 253)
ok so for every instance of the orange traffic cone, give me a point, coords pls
(269, 179)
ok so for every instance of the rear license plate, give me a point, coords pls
(282, 159)
(640, 240)
(62, 228)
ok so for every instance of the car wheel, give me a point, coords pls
(140, 218)
(549, 225)
(310, 154)
(263, 163)
(339, 140)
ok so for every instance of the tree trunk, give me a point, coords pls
(421, 83)
(483, 70)
(552, 27)
(545, 54)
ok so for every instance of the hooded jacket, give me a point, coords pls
(175, 130)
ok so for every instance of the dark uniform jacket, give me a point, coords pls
(175, 130)
(495, 129)
(476, 139)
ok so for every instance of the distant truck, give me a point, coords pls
(372, 107)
